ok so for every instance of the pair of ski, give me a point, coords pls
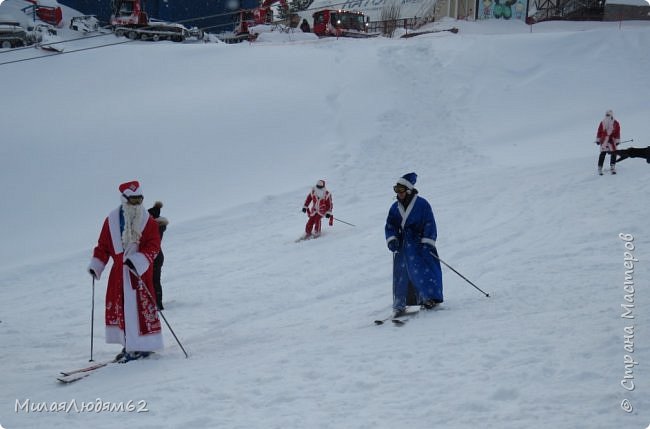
(77, 374)
(401, 320)
(306, 237)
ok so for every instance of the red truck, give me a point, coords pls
(340, 23)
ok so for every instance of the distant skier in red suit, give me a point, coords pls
(318, 204)
(608, 136)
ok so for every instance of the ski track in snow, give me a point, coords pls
(499, 129)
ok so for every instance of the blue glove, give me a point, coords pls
(129, 264)
(393, 246)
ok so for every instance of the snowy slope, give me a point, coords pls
(499, 124)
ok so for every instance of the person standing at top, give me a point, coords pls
(130, 237)
(318, 204)
(608, 136)
(411, 235)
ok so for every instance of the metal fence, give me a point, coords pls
(388, 27)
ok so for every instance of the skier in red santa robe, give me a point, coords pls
(320, 200)
(608, 137)
(130, 236)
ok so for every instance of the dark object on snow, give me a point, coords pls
(633, 152)
(419, 33)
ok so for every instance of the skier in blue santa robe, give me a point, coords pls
(411, 236)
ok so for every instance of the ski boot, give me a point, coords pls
(399, 312)
(430, 304)
(129, 356)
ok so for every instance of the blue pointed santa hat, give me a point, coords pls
(408, 180)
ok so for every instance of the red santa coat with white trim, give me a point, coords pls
(131, 316)
(320, 204)
(608, 134)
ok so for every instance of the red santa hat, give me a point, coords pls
(131, 189)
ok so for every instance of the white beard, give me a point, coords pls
(132, 218)
(608, 125)
(320, 193)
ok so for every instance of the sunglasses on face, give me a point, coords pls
(608, 115)
(399, 189)
(135, 200)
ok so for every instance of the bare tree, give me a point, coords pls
(290, 14)
(426, 13)
(389, 15)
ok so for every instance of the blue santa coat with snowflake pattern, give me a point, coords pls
(413, 263)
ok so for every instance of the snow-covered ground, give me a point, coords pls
(497, 121)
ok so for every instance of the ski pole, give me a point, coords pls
(92, 322)
(347, 223)
(624, 141)
(487, 295)
(144, 286)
